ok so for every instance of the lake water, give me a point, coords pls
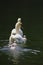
(31, 54)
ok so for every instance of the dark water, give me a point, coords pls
(28, 55)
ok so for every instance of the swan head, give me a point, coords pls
(18, 24)
(19, 19)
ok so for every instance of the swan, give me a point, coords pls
(18, 38)
(17, 28)
(17, 34)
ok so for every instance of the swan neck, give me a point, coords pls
(17, 29)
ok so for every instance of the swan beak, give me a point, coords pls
(20, 23)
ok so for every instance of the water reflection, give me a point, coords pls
(15, 54)
(18, 55)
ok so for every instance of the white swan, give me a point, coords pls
(17, 34)
(17, 28)
(18, 38)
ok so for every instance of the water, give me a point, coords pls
(23, 56)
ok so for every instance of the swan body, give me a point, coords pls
(18, 38)
(13, 32)
(17, 34)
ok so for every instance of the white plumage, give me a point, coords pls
(17, 34)
(13, 32)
